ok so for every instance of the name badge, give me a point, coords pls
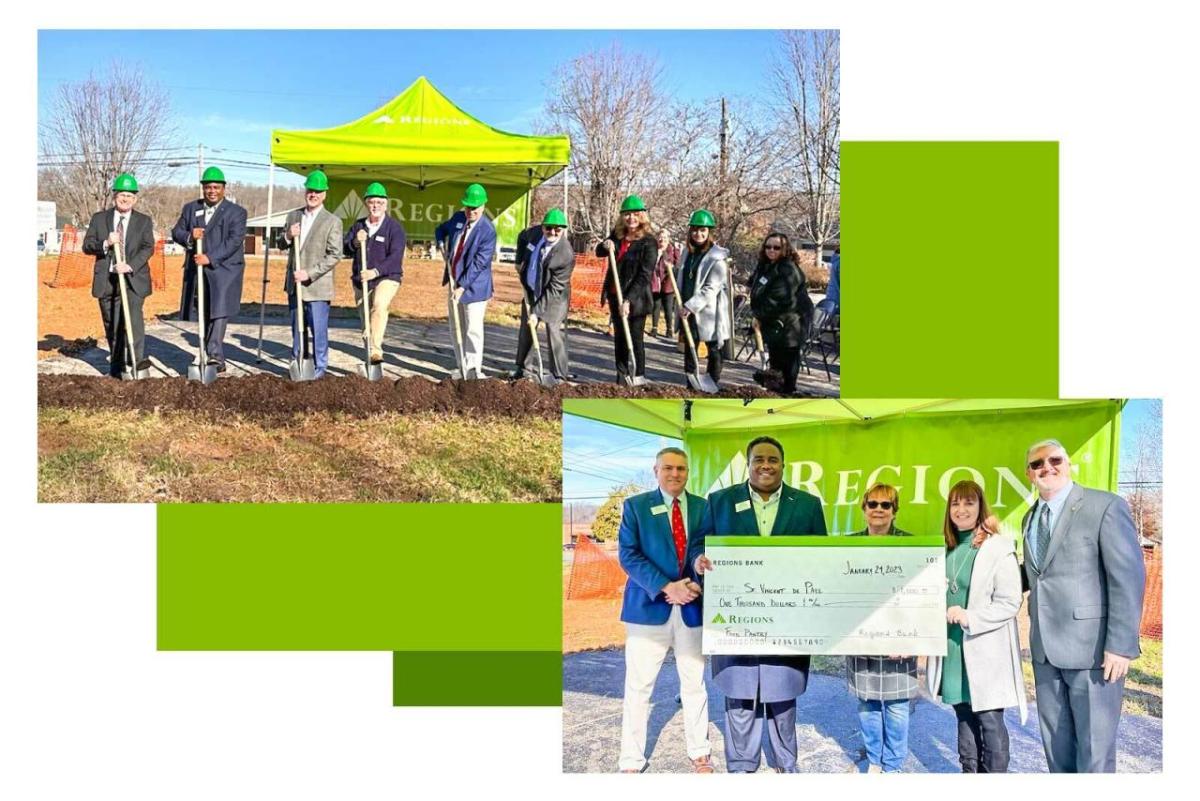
(530, 247)
(379, 238)
(199, 212)
(762, 280)
(661, 509)
(744, 506)
(458, 225)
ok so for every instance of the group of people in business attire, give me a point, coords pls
(1082, 567)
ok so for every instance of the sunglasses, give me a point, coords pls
(885, 505)
(552, 228)
(1055, 461)
(773, 247)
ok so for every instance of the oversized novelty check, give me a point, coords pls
(825, 595)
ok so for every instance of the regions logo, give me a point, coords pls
(351, 208)
(718, 618)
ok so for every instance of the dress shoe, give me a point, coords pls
(376, 358)
(703, 764)
(144, 364)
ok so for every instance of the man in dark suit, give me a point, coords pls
(469, 240)
(221, 224)
(759, 686)
(110, 234)
(661, 609)
(546, 277)
(1086, 580)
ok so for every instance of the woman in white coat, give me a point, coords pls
(981, 673)
(703, 286)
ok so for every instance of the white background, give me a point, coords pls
(89, 709)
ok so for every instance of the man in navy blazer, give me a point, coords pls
(222, 225)
(468, 240)
(758, 686)
(661, 609)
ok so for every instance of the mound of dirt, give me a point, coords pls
(271, 396)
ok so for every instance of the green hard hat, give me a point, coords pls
(317, 181)
(124, 183)
(474, 197)
(555, 217)
(702, 218)
(633, 203)
(213, 175)
(375, 189)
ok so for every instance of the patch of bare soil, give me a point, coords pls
(271, 396)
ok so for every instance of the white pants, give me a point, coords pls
(645, 649)
(470, 322)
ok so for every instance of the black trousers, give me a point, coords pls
(114, 327)
(715, 362)
(982, 740)
(787, 362)
(666, 302)
(637, 333)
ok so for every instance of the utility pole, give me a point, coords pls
(722, 209)
(200, 160)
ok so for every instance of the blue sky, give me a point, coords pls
(597, 456)
(230, 88)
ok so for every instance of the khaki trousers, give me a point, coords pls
(381, 299)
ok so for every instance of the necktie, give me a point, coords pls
(458, 254)
(678, 533)
(1043, 534)
(121, 229)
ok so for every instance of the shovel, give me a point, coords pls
(368, 370)
(131, 371)
(458, 340)
(697, 380)
(303, 368)
(543, 379)
(631, 379)
(201, 371)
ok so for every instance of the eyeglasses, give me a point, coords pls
(1055, 461)
(772, 247)
(884, 505)
(552, 228)
(314, 191)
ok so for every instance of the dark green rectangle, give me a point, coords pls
(481, 678)
(950, 284)
(380, 577)
(788, 541)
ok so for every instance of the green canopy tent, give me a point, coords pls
(425, 150)
(838, 448)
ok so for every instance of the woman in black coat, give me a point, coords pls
(634, 245)
(782, 308)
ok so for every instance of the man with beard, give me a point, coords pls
(111, 234)
(758, 687)
(1086, 582)
(221, 224)
(546, 278)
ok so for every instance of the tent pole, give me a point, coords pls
(262, 306)
(566, 199)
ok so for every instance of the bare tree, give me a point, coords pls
(807, 85)
(611, 104)
(100, 127)
(1144, 477)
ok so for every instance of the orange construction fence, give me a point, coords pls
(1152, 603)
(74, 267)
(586, 282)
(594, 573)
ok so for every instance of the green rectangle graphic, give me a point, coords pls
(487, 678)
(377, 577)
(951, 281)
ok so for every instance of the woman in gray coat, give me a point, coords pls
(981, 673)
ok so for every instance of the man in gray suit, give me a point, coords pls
(318, 238)
(546, 277)
(1086, 579)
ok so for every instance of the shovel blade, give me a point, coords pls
(547, 381)
(371, 372)
(703, 383)
(134, 375)
(303, 370)
(204, 374)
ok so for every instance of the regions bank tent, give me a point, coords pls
(837, 448)
(425, 150)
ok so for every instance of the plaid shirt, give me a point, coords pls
(877, 678)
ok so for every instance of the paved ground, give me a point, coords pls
(826, 723)
(411, 347)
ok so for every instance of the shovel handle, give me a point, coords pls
(687, 329)
(120, 251)
(612, 263)
(366, 296)
(200, 300)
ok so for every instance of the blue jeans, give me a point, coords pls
(885, 732)
(316, 322)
